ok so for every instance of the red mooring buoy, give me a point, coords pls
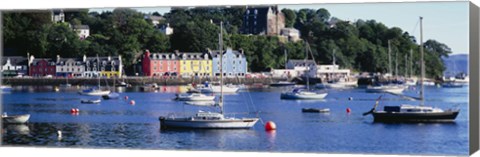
(132, 102)
(269, 126)
(348, 110)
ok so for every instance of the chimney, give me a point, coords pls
(84, 58)
(58, 58)
(241, 51)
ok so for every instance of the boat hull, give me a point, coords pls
(447, 116)
(96, 93)
(18, 119)
(398, 89)
(226, 89)
(245, 123)
(302, 96)
(187, 97)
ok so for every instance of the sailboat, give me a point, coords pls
(95, 91)
(341, 83)
(112, 95)
(413, 113)
(209, 120)
(387, 88)
(283, 83)
(300, 93)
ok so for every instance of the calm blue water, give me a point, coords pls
(117, 124)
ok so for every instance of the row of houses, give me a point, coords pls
(62, 67)
(195, 64)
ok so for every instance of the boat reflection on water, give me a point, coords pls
(19, 129)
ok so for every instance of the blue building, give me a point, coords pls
(234, 63)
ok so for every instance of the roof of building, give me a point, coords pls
(235, 52)
(295, 61)
(15, 60)
(81, 27)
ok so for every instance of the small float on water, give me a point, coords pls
(316, 110)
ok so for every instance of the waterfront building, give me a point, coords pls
(83, 31)
(263, 20)
(302, 67)
(234, 63)
(69, 67)
(160, 64)
(14, 66)
(330, 72)
(39, 67)
(103, 66)
(194, 64)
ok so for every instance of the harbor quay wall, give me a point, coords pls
(135, 81)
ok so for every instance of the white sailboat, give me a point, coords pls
(95, 91)
(387, 88)
(414, 113)
(341, 83)
(209, 120)
(194, 97)
(298, 93)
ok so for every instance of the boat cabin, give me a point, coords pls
(208, 116)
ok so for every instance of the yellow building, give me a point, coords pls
(195, 64)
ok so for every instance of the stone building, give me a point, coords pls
(263, 20)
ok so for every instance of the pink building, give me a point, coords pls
(160, 64)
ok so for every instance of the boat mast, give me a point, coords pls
(285, 51)
(406, 69)
(306, 71)
(220, 44)
(422, 64)
(411, 64)
(389, 59)
(98, 69)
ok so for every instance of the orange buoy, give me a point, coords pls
(132, 102)
(348, 110)
(126, 97)
(269, 126)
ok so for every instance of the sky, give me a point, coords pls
(446, 22)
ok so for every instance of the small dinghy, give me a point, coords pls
(316, 110)
(16, 119)
(91, 101)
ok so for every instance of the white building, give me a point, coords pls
(166, 29)
(14, 66)
(303, 66)
(292, 34)
(332, 72)
(58, 16)
(83, 31)
(69, 67)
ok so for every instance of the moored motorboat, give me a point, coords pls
(94, 92)
(316, 110)
(112, 95)
(194, 97)
(391, 88)
(93, 101)
(299, 93)
(15, 119)
(282, 84)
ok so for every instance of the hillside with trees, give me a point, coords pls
(360, 45)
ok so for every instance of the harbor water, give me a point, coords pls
(120, 124)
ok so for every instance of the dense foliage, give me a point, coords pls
(360, 45)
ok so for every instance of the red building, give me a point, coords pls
(42, 67)
(160, 64)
